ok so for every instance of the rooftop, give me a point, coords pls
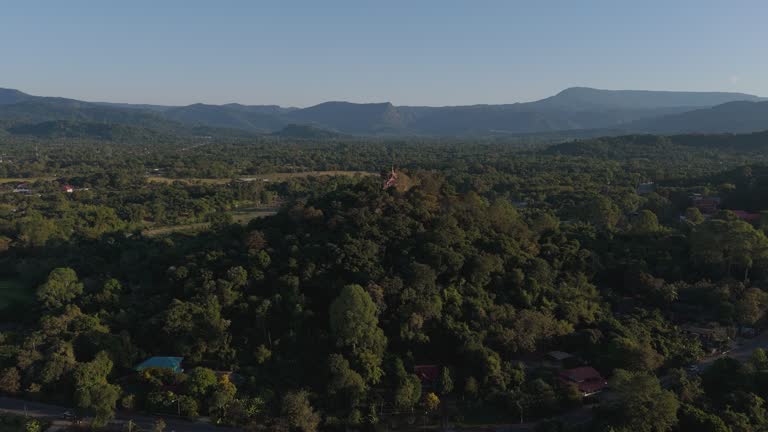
(587, 379)
(559, 355)
(172, 363)
(427, 373)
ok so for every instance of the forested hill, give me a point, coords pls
(38, 109)
(72, 129)
(574, 109)
(233, 116)
(737, 117)
(584, 97)
(11, 96)
(656, 146)
(306, 132)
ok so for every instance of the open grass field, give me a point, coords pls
(188, 180)
(272, 177)
(241, 216)
(12, 292)
(181, 229)
(25, 180)
(286, 176)
(244, 215)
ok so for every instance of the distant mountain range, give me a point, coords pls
(573, 109)
(77, 129)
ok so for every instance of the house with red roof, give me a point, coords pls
(587, 379)
(706, 204)
(747, 216)
(392, 180)
(428, 374)
(23, 188)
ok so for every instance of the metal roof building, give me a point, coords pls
(172, 363)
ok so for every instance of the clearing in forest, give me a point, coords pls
(271, 177)
(241, 216)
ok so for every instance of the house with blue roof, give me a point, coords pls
(170, 363)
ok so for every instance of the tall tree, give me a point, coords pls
(93, 392)
(641, 404)
(297, 412)
(355, 328)
(61, 288)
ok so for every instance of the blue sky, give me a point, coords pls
(416, 52)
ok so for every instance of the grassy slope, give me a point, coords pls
(241, 216)
(261, 177)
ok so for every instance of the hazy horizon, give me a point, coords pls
(302, 53)
(9, 87)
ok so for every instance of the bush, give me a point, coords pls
(128, 401)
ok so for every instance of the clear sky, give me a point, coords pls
(410, 52)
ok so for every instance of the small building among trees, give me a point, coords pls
(587, 379)
(428, 375)
(168, 363)
(706, 204)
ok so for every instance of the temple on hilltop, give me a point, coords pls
(392, 180)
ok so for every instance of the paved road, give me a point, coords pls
(742, 351)
(41, 410)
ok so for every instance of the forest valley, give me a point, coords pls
(431, 302)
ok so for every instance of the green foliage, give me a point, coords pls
(645, 222)
(32, 425)
(471, 387)
(159, 425)
(483, 253)
(200, 381)
(10, 381)
(687, 387)
(61, 288)
(445, 383)
(128, 402)
(758, 359)
(693, 215)
(354, 325)
(297, 412)
(169, 402)
(222, 395)
(431, 402)
(345, 381)
(728, 244)
(407, 387)
(641, 404)
(93, 392)
(130, 426)
(693, 419)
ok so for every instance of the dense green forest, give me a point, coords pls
(361, 307)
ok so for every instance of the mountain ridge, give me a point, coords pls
(732, 117)
(575, 108)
